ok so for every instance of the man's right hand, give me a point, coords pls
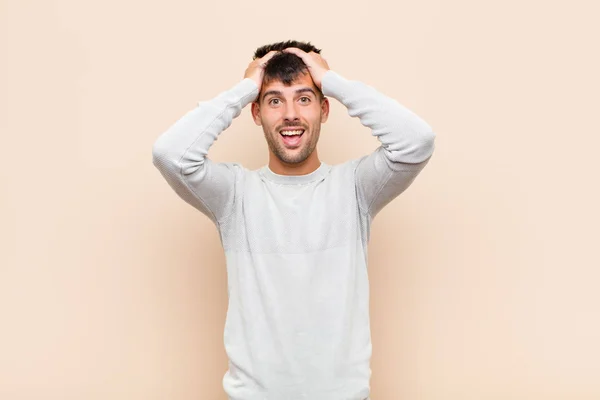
(256, 68)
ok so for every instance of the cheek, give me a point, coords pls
(270, 118)
(312, 116)
(271, 122)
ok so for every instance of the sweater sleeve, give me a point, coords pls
(407, 142)
(180, 153)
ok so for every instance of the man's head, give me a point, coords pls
(290, 99)
(285, 67)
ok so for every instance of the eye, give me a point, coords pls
(272, 101)
(307, 99)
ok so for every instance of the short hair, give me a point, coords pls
(283, 66)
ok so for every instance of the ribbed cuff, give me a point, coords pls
(333, 84)
(247, 90)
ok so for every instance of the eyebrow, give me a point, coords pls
(277, 92)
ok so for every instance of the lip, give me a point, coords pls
(292, 129)
(288, 128)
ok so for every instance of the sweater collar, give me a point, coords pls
(314, 176)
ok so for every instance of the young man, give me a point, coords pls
(295, 232)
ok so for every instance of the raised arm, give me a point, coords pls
(407, 142)
(180, 153)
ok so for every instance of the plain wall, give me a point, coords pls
(484, 274)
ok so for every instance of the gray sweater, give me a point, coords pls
(297, 324)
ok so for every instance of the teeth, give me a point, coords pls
(291, 133)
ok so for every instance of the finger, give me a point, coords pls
(268, 56)
(300, 53)
(316, 55)
(295, 50)
(264, 60)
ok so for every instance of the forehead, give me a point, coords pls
(301, 81)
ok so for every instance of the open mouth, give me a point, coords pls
(291, 137)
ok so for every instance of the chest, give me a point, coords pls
(295, 219)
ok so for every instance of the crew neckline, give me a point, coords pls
(317, 174)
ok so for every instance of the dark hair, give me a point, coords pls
(283, 66)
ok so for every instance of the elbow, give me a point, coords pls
(162, 157)
(423, 150)
(416, 150)
(429, 142)
(428, 138)
(158, 154)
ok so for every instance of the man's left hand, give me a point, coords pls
(317, 65)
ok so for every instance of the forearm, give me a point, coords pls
(184, 146)
(405, 137)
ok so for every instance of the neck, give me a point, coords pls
(303, 168)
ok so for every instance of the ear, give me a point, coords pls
(256, 113)
(324, 110)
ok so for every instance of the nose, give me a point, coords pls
(291, 113)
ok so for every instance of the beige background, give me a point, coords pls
(484, 274)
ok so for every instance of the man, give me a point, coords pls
(295, 232)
